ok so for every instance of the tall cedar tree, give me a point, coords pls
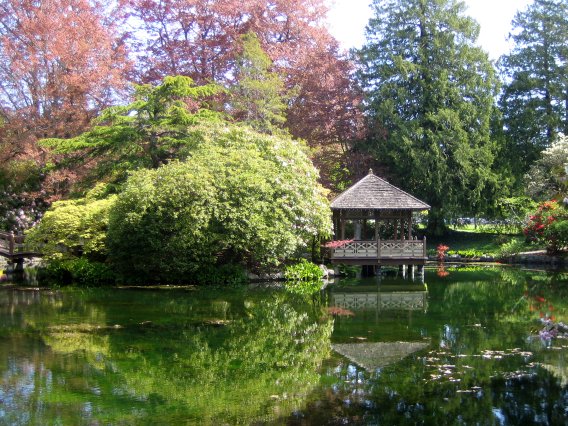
(432, 90)
(534, 100)
(201, 39)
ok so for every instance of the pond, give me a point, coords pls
(461, 348)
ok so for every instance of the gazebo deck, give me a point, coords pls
(381, 252)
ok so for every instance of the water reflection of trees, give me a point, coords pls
(237, 358)
(482, 368)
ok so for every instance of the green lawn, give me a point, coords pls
(476, 243)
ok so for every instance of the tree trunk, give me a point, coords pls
(436, 224)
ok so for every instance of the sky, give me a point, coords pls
(347, 19)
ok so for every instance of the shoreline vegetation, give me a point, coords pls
(465, 248)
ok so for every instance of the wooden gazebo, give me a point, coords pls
(372, 223)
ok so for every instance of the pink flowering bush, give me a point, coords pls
(337, 243)
(548, 225)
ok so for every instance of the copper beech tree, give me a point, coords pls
(61, 62)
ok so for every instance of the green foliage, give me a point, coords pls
(558, 233)
(431, 89)
(77, 271)
(146, 133)
(468, 254)
(533, 100)
(222, 275)
(350, 271)
(73, 228)
(514, 246)
(303, 287)
(20, 204)
(463, 241)
(515, 211)
(548, 176)
(241, 198)
(258, 96)
(303, 271)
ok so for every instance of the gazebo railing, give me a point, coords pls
(381, 249)
(356, 249)
(402, 249)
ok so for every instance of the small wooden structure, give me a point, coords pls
(13, 248)
(372, 223)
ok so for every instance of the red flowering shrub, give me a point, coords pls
(441, 252)
(549, 225)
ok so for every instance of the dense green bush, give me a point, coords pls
(303, 271)
(78, 271)
(74, 228)
(303, 278)
(228, 274)
(241, 198)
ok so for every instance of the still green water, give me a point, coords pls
(463, 348)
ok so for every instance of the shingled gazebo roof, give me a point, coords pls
(374, 193)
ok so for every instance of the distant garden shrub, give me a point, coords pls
(468, 254)
(303, 271)
(511, 248)
(74, 228)
(549, 226)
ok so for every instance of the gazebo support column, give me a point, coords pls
(396, 229)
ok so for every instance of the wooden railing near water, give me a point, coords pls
(381, 250)
(13, 247)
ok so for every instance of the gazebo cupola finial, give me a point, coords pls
(370, 171)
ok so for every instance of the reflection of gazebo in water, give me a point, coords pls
(385, 294)
(380, 298)
(371, 356)
(373, 225)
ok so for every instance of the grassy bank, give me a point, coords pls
(475, 243)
